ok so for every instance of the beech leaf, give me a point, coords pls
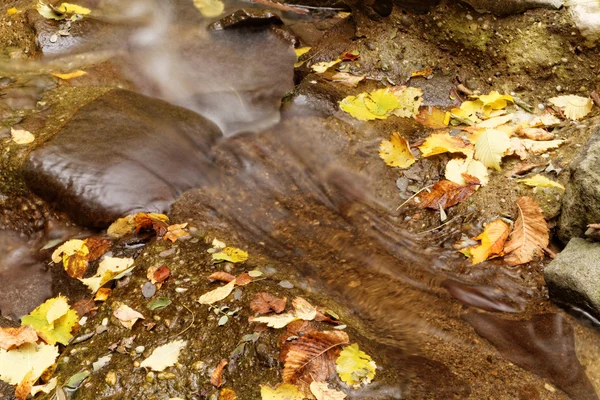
(17, 363)
(530, 235)
(53, 320)
(445, 194)
(164, 356)
(490, 148)
(541, 181)
(396, 152)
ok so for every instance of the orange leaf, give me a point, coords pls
(530, 235)
(432, 117)
(14, 337)
(216, 379)
(425, 72)
(349, 56)
(24, 388)
(161, 274)
(492, 241)
(146, 222)
(446, 194)
(243, 279)
(97, 246)
(263, 303)
(227, 394)
(221, 276)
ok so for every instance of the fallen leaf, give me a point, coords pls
(221, 276)
(14, 337)
(344, 78)
(68, 8)
(46, 388)
(434, 118)
(227, 394)
(127, 315)
(355, 367)
(490, 148)
(84, 306)
(350, 56)
(445, 194)
(457, 167)
(492, 242)
(303, 309)
(323, 66)
(24, 387)
(164, 356)
(21, 136)
(263, 303)
(12, 11)
(530, 234)
(321, 391)
(210, 8)
(74, 257)
(70, 75)
(495, 122)
(284, 391)
(312, 357)
(102, 294)
(161, 274)
(97, 247)
(176, 231)
(230, 254)
(396, 152)
(151, 222)
(53, 320)
(382, 103)
(217, 294)
(243, 279)
(574, 107)
(535, 134)
(410, 100)
(541, 181)
(540, 147)
(301, 51)
(216, 378)
(439, 143)
(276, 321)
(109, 268)
(17, 363)
(158, 303)
(424, 73)
(495, 100)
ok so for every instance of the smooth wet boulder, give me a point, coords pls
(573, 277)
(120, 154)
(581, 202)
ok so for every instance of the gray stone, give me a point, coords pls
(508, 7)
(573, 277)
(581, 202)
(120, 154)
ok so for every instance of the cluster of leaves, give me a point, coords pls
(64, 10)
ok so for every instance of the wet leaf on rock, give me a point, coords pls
(53, 320)
(46, 388)
(323, 66)
(216, 378)
(21, 136)
(492, 242)
(434, 118)
(221, 276)
(230, 254)
(127, 315)
(15, 337)
(321, 391)
(264, 303)
(210, 8)
(302, 310)
(217, 294)
(69, 75)
(530, 235)
(445, 194)
(29, 358)
(284, 391)
(139, 222)
(109, 268)
(176, 231)
(164, 356)
(439, 143)
(76, 380)
(355, 367)
(396, 152)
(541, 181)
(159, 303)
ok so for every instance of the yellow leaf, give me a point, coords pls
(31, 358)
(495, 100)
(12, 11)
(68, 8)
(284, 391)
(48, 12)
(490, 148)
(230, 254)
(382, 103)
(109, 268)
(217, 294)
(541, 181)
(164, 356)
(492, 242)
(277, 321)
(210, 8)
(355, 367)
(439, 143)
(301, 51)
(410, 100)
(46, 388)
(59, 329)
(495, 122)
(21, 136)
(346, 79)
(74, 257)
(355, 106)
(396, 152)
(70, 75)
(469, 111)
(458, 166)
(323, 66)
(574, 107)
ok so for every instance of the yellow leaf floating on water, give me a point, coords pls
(31, 358)
(323, 66)
(217, 294)
(284, 391)
(541, 181)
(382, 103)
(396, 152)
(458, 166)
(574, 107)
(230, 254)
(490, 148)
(355, 367)
(210, 8)
(439, 143)
(70, 75)
(21, 136)
(164, 356)
(53, 320)
(492, 242)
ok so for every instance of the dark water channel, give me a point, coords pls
(298, 187)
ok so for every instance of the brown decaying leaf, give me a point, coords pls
(175, 232)
(84, 306)
(535, 134)
(264, 303)
(521, 168)
(446, 193)
(348, 56)
(312, 357)
(243, 279)
(161, 274)
(24, 388)
(216, 379)
(14, 337)
(293, 329)
(530, 235)
(97, 246)
(144, 221)
(221, 276)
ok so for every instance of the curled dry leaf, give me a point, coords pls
(312, 357)
(15, 337)
(216, 378)
(102, 294)
(492, 242)
(446, 194)
(264, 303)
(109, 268)
(161, 274)
(530, 235)
(535, 134)
(439, 143)
(221, 276)
(243, 279)
(396, 152)
(175, 232)
(574, 107)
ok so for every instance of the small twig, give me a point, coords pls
(595, 97)
(462, 88)
(191, 323)
(437, 227)
(412, 197)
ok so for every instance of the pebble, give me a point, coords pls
(286, 284)
(148, 290)
(166, 253)
(140, 349)
(53, 38)
(111, 378)
(150, 377)
(541, 106)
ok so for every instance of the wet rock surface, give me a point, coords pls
(120, 154)
(573, 278)
(508, 7)
(581, 202)
(246, 18)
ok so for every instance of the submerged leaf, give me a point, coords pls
(210, 8)
(355, 367)
(396, 152)
(21, 136)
